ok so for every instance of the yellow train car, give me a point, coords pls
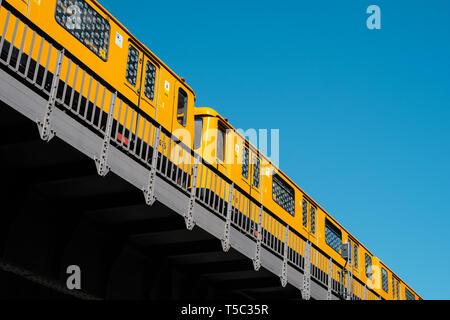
(86, 30)
(96, 42)
(219, 143)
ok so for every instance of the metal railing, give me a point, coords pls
(70, 85)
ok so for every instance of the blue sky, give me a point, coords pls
(364, 115)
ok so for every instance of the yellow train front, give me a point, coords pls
(149, 90)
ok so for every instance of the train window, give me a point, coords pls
(350, 245)
(368, 266)
(384, 280)
(198, 131)
(355, 256)
(150, 78)
(132, 65)
(245, 162)
(409, 295)
(305, 213)
(333, 236)
(220, 144)
(182, 107)
(85, 24)
(393, 288)
(256, 169)
(283, 194)
(313, 220)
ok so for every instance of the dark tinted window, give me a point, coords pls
(220, 144)
(132, 65)
(198, 123)
(256, 167)
(85, 24)
(182, 107)
(150, 77)
(384, 280)
(245, 162)
(368, 260)
(333, 236)
(313, 220)
(409, 295)
(283, 194)
(305, 213)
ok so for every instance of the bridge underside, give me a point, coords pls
(57, 212)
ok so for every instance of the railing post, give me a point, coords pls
(102, 162)
(226, 234)
(188, 216)
(257, 258)
(306, 292)
(149, 189)
(350, 284)
(44, 127)
(330, 278)
(283, 277)
(365, 292)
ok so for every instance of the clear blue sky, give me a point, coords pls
(364, 115)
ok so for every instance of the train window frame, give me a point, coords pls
(384, 280)
(283, 185)
(305, 213)
(368, 266)
(93, 13)
(256, 172)
(131, 65)
(245, 167)
(334, 230)
(312, 213)
(198, 137)
(182, 92)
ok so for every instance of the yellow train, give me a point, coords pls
(103, 45)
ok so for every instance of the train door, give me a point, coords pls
(221, 151)
(183, 119)
(149, 84)
(133, 73)
(142, 78)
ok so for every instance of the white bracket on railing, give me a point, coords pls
(44, 127)
(330, 279)
(257, 258)
(306, 291)
(102, 162)
(149, 189)
(188, 216)
(283, 277)
(226, 234)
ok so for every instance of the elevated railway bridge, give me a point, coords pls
(78, 191)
